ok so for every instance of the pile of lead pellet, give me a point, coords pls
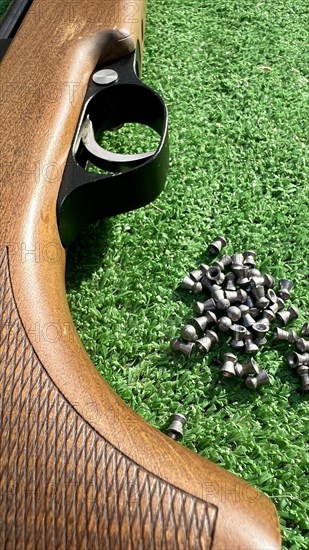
(235, 298)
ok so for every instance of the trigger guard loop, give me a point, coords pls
(131, 181)
(87, 138)
(125, 101)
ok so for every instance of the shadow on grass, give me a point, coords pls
(86, 253)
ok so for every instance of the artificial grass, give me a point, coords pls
(234, 76)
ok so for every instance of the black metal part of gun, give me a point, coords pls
(10, 23)
(131, 181)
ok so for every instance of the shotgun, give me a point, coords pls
(78, 468)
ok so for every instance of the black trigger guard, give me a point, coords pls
(134, 180)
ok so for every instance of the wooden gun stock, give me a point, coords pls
(78, 468)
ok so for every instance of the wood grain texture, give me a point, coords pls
(72, 452)
(64, 486)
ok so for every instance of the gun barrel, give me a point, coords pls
(13, 17)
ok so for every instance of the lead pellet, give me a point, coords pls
(250, 345)
(204, 344)
(188, 333)
(285, 335)
(250, 367)
(201, 307)
(303, 373)
(215, 274)
(228, 367)
(287, 315)
(284, 290)
(249, 258)
(216, 246)
(183, 347)
(205, 321)
(297, 359)
(175, 429)
(241, 274)
(234, 313)
(302, 345)
(305, 382)
(238, 333)
(258, 292)
(230, 279)
(259, 333)
(224, 323)
(237, 259)
(255, 381)
(188, 284)
(305, 329)
(196, 275)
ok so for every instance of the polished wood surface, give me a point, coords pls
(78, 467)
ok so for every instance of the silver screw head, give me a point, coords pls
(105, 76)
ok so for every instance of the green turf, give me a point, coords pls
(238, 167)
